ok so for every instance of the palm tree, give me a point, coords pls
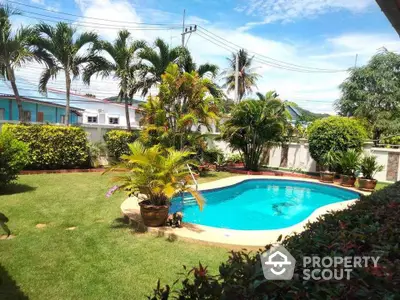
(15, 51)
(66, 54)
(247, 76)
(159, 174)
(254, 124)
(123, 65)
(270, 95)
(155, 61)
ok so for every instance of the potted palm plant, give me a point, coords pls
(369, 167)
(157, 175)
(349, 162)
(328, 163)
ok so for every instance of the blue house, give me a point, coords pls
(37, 107)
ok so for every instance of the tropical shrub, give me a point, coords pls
(367, 228)
(335, 133)
(369, 166)
(158, 173)
(117, 142)
(349, 162)
(210, 156)
(13, 157)
(252, 125)
(52, 147)
(329, 161)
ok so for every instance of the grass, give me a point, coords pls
(100, 259)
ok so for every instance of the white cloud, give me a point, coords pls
(290, 10)
(38, 2)
(315, 92)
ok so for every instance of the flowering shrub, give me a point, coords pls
(371, 227)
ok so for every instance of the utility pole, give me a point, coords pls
(183, 28)
(237, 79)
(355, 63)
(186, 29)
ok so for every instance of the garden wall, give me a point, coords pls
(299, 158)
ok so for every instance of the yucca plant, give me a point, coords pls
(369, 167)
(349, 162)
(157, 173)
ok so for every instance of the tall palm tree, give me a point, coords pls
(270, 95)
(67, 53)
(15, 51)
(247, 75)
(155, 61)
(122, 65)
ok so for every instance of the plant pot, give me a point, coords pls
(367, 184)
(327, 176)
(152, 215)
(347, 180)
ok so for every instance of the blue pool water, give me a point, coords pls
(260, 204)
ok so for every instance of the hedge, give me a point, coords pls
(53, 147)
(13, 158)
(336, 133)
(371, 227)
(117, 142)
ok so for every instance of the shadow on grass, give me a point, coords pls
(9, 290)
(16, 188)
(132, 224)
(209, 175)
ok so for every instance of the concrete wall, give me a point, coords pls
(299, 158)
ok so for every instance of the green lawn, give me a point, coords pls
(100, 259)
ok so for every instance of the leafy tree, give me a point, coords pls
(335, 133)
(65, 52)
(252, 125)
(247, 75)
(183, 104)
(16, 50)
(122, 65)
(373, 92)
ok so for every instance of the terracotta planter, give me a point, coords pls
(152, 215)
(347, 180)
(327, 177)
(367, 184)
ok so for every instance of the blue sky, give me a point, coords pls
(316, 33)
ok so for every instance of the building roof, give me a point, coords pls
(29, 90)
(391, 8)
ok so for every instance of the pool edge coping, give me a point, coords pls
(234, 237)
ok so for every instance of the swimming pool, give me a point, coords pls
(260, 204)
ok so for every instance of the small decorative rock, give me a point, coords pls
(40, 226)
(71, 228)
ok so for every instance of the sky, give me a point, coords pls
(317, 34)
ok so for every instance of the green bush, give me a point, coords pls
(53, 147)
(335, 133)
(117, 142)
(368, 228)
(13, 157)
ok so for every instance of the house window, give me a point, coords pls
(92, 119)
(113, 120)
(27, 116)
(62, 119)
(40, 117)
(2, 114)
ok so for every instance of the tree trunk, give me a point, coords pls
(68, 86)
(128, 120)
(11, 77)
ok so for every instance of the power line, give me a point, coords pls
(209, 33)
(80, 16)
(91, 24)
